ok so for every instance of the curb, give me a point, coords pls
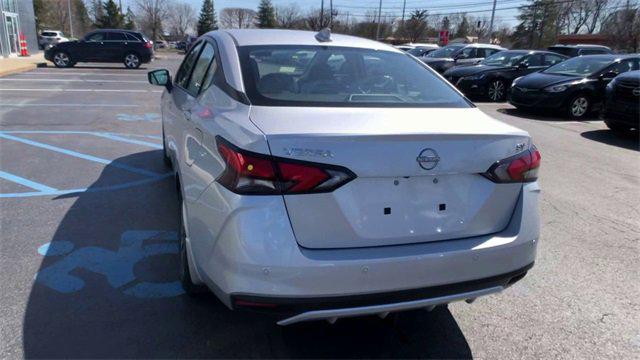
(22, 68)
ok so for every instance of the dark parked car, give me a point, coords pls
(622, 103)
(576, 86)
(493, 76)
(581, 49)
(105, 45)
(449, 56)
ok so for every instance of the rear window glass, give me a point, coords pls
(289, 75)
(564, 51)
(49, 33)
(116, 36)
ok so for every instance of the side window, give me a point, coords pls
(550, 59)
(623, 66)
(592, 52)
(116, 36)
(182, 77)
(468, 53)
(534, 60)
(200, 70)
(99, 36)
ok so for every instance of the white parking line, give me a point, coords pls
(75, 80)
(7, 105)
(79, 74)
(84, 90)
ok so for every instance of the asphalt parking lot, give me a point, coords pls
(89, 253)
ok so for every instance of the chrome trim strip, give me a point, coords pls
(386, 308)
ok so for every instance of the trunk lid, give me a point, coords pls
(394, 200)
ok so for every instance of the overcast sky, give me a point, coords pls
(358, 8)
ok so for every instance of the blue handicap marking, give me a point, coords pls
(116, 266)
(143, 117)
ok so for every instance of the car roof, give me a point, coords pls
(424, 45)
(525, 51)
(249, 37)
(612, 57)
(583, 46)
(491, 46)
(635, 74)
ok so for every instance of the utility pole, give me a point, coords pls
(321, 14)
(493, 14)
(70, 18)
(378, 27)
(404, 4)
(330, 13)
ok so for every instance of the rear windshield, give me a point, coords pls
(564, 51)
(49, 33)
(291, 75)
(445, 52)
(580, 66)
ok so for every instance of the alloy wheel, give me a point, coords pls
(496, 90)
(131, 61)
(61, 59)
(579, 106)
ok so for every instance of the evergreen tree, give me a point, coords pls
(463, 28)
(538, 26)
(112, 17)
(266, 17)
(207, 20)
(129, 20)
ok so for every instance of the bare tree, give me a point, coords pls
(316, 21)
(415, 27)
(237, 18)
(182, 17)
(622, 27)
(289, 17)
(151, 15)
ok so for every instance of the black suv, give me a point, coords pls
(580, 49)
(105, 45)
(622, 103)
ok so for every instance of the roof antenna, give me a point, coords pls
(324, 35)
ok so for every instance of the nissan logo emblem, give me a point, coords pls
(428, 159)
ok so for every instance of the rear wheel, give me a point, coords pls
(185, 273)
(578, 107)
(497, 90)
(62, 60)
(132, 61)
(617, 127)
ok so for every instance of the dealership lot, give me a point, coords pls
(88, 245)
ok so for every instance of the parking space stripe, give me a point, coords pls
(68, 105)
(83, 90)
(123, 139)
(79, 155)
(73, 80)
(26, 182)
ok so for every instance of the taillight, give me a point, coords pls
(522, 167)
(250, 173)
(148, 45)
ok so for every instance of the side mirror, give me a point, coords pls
(522, 66)
(608, 76)
(160, 77)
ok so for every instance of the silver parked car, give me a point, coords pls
(323, 176)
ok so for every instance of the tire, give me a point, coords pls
(131, 61)
(497, 90)
(617, 127)
(579, 106)
(189, 287)
(62, 60)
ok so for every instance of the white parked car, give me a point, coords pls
(51, 37)
(327, 176)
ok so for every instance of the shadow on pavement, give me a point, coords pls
(107, 288)
(543, 114)
(630, 140)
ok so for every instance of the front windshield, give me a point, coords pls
(504, 58)
(579, 66)
(445, 52)
(292, 75)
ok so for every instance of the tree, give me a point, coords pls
(237, 18)
(415, 27)
(129, 20)
(112, 17)
(288, 17)
(622, 28)
(266, 17)
(463, 28)
(152, 13)
(181, 17)
(54, 14)
(207, 20)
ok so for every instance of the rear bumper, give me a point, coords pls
(253, 253)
